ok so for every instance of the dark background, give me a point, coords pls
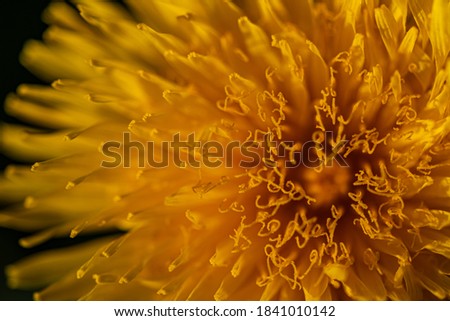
(19, 20)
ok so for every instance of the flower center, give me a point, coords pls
(327, 184)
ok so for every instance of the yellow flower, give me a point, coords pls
(350, 198)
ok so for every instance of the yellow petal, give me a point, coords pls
(388, 29)
(440, 31)
(421, 10)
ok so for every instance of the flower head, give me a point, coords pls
(347, 198)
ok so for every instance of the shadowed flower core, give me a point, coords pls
(369, 80)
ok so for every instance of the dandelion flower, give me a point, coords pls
(363, 84)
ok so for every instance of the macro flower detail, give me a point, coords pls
(339, 110)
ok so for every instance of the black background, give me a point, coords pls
(19, 20)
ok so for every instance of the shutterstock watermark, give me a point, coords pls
(189, 152)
